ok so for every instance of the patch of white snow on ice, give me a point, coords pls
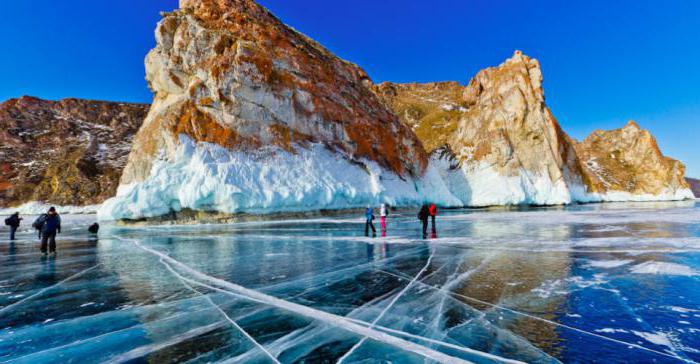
(663, 268)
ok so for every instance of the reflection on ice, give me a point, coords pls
(596, 283)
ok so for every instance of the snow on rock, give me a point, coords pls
(37, 208)
(208, 177)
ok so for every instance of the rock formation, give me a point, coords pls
(498, 143)
(250, 115)
(68, 152)
(504, 145)
(626, 165)
(694, 186)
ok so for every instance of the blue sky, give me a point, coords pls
(604, 62)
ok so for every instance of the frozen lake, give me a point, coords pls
(594, 283)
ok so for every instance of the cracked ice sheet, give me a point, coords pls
(482, 260)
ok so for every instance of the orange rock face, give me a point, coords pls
(228, 72)
(68, 152)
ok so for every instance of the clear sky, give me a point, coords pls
(604, 62)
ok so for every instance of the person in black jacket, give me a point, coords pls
(50, 225)
(13, 222)
(423, 215)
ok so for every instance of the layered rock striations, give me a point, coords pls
(496, 141)
(68, 152)
(250, 115)
(626, 164)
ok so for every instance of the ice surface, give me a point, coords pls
(541, 285)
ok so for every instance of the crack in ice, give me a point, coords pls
(335, 320)
(44, 290)
(551, 322)
(234, 323)
(388, 307)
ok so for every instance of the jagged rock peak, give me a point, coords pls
(509, 146)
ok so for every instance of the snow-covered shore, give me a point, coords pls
(207, 177)
(36, 208)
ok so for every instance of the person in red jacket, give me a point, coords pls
(433, 213)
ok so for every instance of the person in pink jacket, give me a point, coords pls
(383, 213)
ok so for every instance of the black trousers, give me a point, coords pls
(425, 228)
(13, 230)
(433, 219)
(50, 240)
(370, 224)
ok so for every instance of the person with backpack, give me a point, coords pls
(369, 222)
(423, 215)
(49, 224)
(433, 212)
(13, 222)
(383, 213)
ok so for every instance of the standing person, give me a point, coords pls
(369, 223)
(383, 213)
(13, 222)
(50, 225)
(423, 217)
(433, 213)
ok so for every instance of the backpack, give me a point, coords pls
(8, 221)
(39, 223)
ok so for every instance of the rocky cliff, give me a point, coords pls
(501, 142)
(68, 152)
(694, 186)
(497, 142)
(250, 115)
(626, 164)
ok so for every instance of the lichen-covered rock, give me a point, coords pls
(68, 152)
(502, 142)
(626, 164)
(230, 74)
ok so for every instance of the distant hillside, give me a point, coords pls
(67, 152)
(694, 185)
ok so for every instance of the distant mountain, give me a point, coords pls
(694, 185)
(64, 152)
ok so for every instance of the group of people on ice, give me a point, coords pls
(48, 225)
(427, 212)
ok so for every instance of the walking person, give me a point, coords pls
(433, 212)
(383, 213)
(49, 224)
(423, 217)
(13, 222)
(369, 223)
